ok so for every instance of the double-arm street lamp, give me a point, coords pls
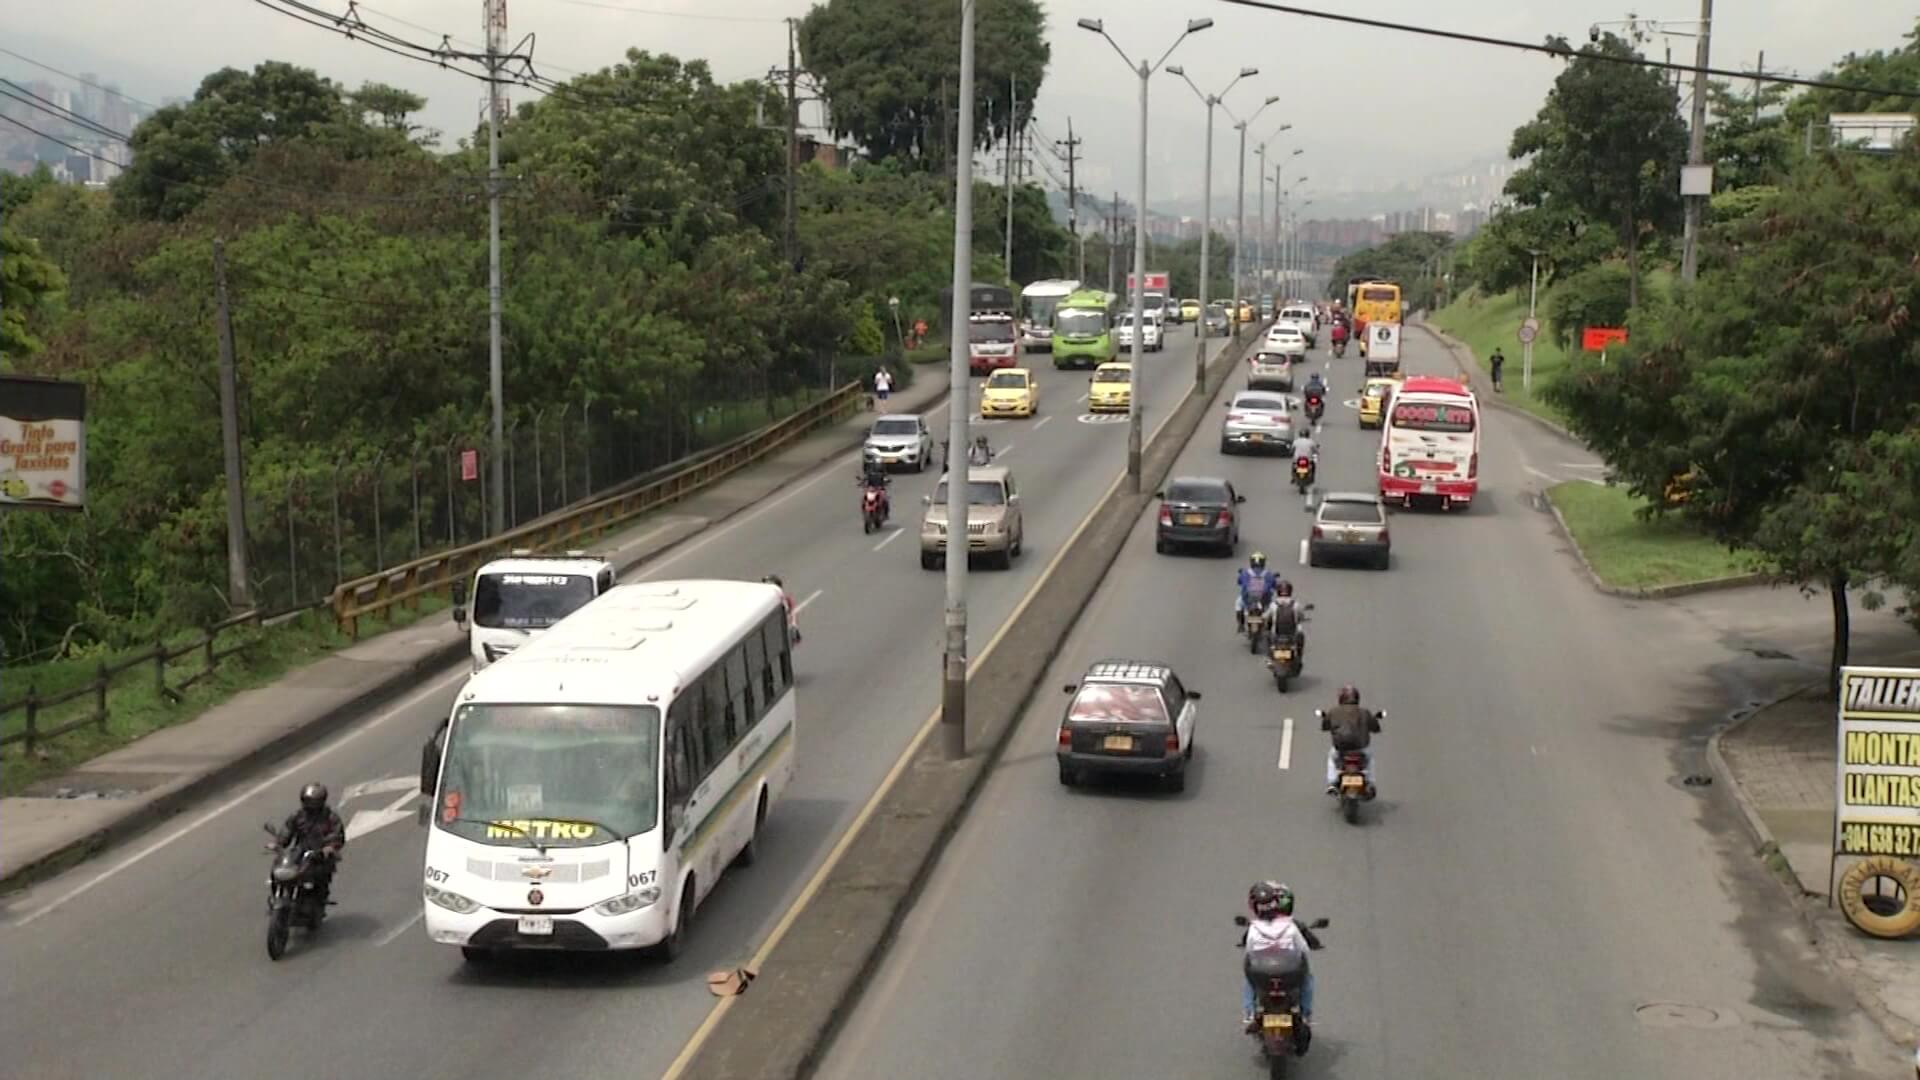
(1206, 214)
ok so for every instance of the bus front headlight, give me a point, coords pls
(452, 901)
(633, 901)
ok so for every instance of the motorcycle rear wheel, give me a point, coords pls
(1350, 809)
(279, 927)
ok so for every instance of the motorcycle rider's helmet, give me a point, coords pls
(313, 798)
(1282, 898)
(1263, 899)
(1284, 589)
(1258, 560)
(1349, 695)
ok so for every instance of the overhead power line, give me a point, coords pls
(1567, 54)
(59, 111)
(79, 79)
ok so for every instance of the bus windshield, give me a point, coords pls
(528, 601)
(1081, 321)
(1040, 309)
(1439, 417)
(994, 331)
(556, 775)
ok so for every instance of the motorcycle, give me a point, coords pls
(1351, 780)
(1340, 348)
(1316, 407)
(1279, 979)
(293, 898)
(1303, 470)
(1285, 658)
(874, 507)
(1255, 625)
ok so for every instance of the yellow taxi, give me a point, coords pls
(1374, 397)
(1189, 311)
(1009, 392)
(1111, 389)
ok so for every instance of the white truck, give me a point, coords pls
(518, 597)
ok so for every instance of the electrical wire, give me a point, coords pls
(78, 79)
(1566, 53)
(59, 111)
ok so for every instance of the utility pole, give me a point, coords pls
(953, 689)
(1073, 202)
(1013, 150)
(1113, 244)
(239, 588)
(496, 19)
(791, 246)
(1697, 145)
(1759, 74)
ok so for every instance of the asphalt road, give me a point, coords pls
(159, 969)
(1536, 893)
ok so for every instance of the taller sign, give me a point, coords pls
(1879, 763)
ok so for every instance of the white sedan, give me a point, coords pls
(1286, 341)
(1153, 340)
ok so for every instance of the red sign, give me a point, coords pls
(469, 464)
(1597, 338)
(1156, 282)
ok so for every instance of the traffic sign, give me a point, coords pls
(1529, 329)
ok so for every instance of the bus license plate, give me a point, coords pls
(1428, 489)
(536, 925)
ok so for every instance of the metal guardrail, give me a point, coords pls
(407, 582)
(208, 647)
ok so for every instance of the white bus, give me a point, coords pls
(1430, 443)
(1037, 303)
(590, 789)
(518, 597)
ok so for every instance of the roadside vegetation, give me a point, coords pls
(652, 307)
(1767, 416)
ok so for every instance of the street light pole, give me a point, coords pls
(1206, 216)
(1239, 229)
(953, 688)
(1526, 347)
(1135, 416)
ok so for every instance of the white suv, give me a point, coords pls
(1152, 340)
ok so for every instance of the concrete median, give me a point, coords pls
(826, 947)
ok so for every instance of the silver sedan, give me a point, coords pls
(1257, 421)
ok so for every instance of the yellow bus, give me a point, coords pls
(1377, 302)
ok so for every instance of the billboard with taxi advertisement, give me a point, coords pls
(43, 443)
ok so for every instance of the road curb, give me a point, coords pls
(143, 815)
(1470, 375)
(1654, 592)
(1834, 949)
(814, 975)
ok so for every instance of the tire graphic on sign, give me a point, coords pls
(1882, 913)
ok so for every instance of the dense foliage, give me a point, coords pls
(643, 284)
(1413, 259)
(891, 72)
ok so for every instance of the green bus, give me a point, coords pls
(1083, 329)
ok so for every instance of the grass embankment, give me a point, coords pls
(135, 707)
(1630, 553)
(1487, 322)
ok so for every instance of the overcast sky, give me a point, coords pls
(1369, 107)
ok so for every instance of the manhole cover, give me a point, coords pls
(1670, 1014)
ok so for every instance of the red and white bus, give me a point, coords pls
(1430, 444)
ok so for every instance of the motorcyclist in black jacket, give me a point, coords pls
(315, 827)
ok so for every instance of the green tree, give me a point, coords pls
(391, 107)
(1042, 247)
(183, 151)
(1774, 390)
(28, 282)
(1747, 138)
(1406, 257)
(1608, 144)
(891, 71)
(1596, 296)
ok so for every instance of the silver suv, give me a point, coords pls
(900, 440)
(995, 525)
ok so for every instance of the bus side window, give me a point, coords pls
(740, 710)
(761, 663)
(680, 763)
(606, 581)
(715, 725)
(780, 647)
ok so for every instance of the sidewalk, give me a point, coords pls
(66, 819)
(1779, 763)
